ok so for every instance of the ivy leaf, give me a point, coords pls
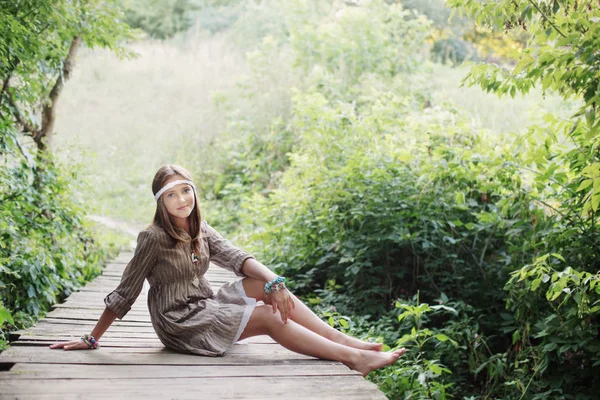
(5, 316)
(436, 369)
(585, 184)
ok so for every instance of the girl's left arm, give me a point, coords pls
(280, 300)
(257, 270)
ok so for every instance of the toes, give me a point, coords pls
(400, 352)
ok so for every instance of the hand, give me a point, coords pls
(74, 345)
(282, 300)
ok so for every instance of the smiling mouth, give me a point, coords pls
(181, 208)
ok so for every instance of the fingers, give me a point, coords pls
(284, 316)
(73, 345)
(283, 302)
(61, 345)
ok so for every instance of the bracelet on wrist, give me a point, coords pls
(275, 285)
(90, 341)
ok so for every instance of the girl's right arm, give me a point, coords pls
(120, 300)
(106, 319)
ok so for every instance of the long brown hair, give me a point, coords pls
(162, 217)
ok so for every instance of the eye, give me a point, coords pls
(187, 190)
(170, 195)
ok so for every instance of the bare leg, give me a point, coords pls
(305, 317)
(295, 337)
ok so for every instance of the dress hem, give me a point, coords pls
(250, 304)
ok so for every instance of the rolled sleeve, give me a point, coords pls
(223, 253)
(122, 298)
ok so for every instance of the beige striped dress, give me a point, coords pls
(185, 312)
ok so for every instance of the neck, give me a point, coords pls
(182, 223)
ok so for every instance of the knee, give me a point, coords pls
(272, 320)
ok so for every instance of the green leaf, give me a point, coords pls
(441, 337)
(585, 184)
(445, 308)
(516, 336)
(595, 202)
(436, 369)
(5, 316)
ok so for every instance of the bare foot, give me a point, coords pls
(368, 361)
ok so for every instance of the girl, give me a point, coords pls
(173, 254)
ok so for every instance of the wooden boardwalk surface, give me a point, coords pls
(133, 364)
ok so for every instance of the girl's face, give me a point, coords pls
(179, 200)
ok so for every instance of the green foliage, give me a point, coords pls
(376, 39)
(556, 326)
(420, 375)
(555, 329)
(160, 19)
(35, 40)
(46, 249)
(36, 36)
(421, 213)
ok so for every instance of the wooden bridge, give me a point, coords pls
(133, 364)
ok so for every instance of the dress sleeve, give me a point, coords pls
(223, 253)
(122, 298)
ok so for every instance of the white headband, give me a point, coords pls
(170, 185)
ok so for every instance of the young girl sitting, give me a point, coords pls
(173, 254)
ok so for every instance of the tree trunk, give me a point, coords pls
(43, 136)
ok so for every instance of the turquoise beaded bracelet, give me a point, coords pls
(275, 285)
(90, 341)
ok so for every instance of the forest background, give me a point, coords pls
(334, 141)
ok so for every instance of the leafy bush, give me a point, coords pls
(47, 251)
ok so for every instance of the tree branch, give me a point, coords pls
(7, 80)
(546, 18)
(21, 148)
(48, 111)
(20, 119)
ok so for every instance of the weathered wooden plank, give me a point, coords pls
(122, 344)
(70, 371)
(87, 315)
(298, 387)
(78, 322)
(261, 339)
(66, 329)
(239, 353)
(78, 332)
